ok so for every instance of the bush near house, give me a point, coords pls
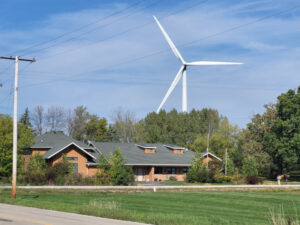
(58, 173)
(113, 169)
(200, 173)
(35, 172)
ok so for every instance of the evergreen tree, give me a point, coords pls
(114, 169)
(25, 119)
(112, 134)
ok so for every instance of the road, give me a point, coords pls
(20, 215)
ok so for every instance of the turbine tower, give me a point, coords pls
(182, 70)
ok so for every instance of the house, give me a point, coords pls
(150, 162)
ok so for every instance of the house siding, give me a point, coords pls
(72, 151)
(38, 151)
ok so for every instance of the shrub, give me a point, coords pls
(74, 179)
(223, 179)
(58, 173)
(172, 178)
(102, 177)
(199, 173)
(35, 173)
(254, 180)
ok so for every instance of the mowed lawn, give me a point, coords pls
(166, 207)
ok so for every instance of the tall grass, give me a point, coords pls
(279, 217)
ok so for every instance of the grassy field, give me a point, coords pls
(166, 207)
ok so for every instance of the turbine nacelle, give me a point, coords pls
(182, 70)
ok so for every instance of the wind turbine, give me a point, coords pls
(182, 70)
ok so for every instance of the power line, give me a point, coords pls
(101, 26)
(126, 31)
(197, 40)
(244, 25)
(77, 29)
(204, 38)
(11, 85)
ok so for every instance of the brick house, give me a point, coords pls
(150, 162)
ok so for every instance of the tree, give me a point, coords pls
(114, 168)
(249, 168)
(56, 118)
(275, 134)
(70, 122)
(78, 123)
(119, 172)
(25, 119)
(112, 135)
(95, 129)
(38, 118)
(124, 123)
(179, 128)
(25, 140)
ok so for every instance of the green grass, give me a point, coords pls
(166, 207)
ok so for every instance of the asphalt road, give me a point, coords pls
(20, 215)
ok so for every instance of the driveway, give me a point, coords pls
(20, 215)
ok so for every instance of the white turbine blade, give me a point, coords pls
(211, 63)
(170, 42)
(175, 81)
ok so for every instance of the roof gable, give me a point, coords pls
(204, 154)
(49, 154)
(57, 142)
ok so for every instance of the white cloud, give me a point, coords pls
(103, 73)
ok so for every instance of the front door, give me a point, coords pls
(140, 174)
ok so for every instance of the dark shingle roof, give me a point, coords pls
(56, 141)
(134, 155)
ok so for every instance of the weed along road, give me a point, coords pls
(20, 215)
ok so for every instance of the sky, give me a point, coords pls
(110, 54)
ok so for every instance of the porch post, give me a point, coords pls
(151, 174)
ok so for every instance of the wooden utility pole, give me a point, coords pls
(15, 122)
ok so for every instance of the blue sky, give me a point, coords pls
(122, 60)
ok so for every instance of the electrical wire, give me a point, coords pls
(78, 29)
(123, 32)
(204, 38)
(196, 40)
(97, 28)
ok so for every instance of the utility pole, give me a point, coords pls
(15, 123)
(225, 161)
(207, 146)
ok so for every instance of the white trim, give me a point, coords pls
(41, 147)
(72, 143)
(91, 164)
(142, 146)
(174, 148)
(141, 164)
(212, 155)
(147, 164)
(94, 147)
